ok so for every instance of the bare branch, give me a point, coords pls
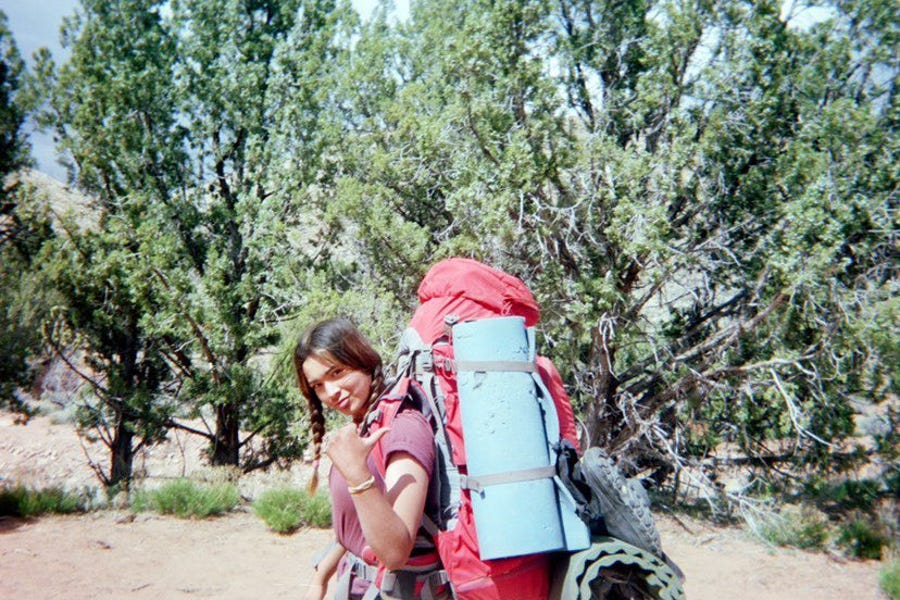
(102, 391)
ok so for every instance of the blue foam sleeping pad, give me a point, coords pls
(504, 425)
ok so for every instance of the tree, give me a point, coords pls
(14, 148)
(102, 103)
(253, 79)
(170, 117)
(702, 195)
(129, 401)
(709, 240)
(23, 228)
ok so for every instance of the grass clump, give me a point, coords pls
(889, 578)
(185, 499)
(20, 501)
(799, 527)
(285, 509)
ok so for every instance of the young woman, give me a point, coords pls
(376, 518)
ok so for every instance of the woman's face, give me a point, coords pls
(337, 386)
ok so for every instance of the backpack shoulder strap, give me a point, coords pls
(382, 416)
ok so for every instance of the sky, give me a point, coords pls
(36, 23)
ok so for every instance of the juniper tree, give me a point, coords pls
(24, 228)
(170, 117)
(701, 194)
(102, 103)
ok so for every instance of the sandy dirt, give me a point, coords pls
(114, 554)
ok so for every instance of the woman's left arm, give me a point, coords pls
(392, 536)
(389, 519)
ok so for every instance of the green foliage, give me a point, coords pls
(103, 293)
(20, 501)
(23, 228)
(864, 539)
(170, 112)
(859, 534)
(845, 496)
(702, 197)
(889, 578)
(286, 509)
(14, 147)
(187, 499)
(25, 299)
(676, 210)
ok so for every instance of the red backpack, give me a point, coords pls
(459, 291)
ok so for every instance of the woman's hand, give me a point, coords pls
(348, 452)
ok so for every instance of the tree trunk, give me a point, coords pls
(226, 445)
(122, 454)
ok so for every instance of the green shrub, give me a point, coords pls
(800, 527)
(318, 511)
(185, 498)
(20, 501)
(285, 509)
(848, 495)
(863, 539)
(890, 578)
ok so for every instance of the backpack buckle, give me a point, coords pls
(448, 365)
(423, 362)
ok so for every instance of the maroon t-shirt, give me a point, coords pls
(409, 433)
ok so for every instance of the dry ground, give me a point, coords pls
(113, 554)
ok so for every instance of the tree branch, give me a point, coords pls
(198, 331)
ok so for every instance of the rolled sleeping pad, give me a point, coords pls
(510, 470)
(608, 562)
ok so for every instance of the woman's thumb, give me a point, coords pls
(373, 439)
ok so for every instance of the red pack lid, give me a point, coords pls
(470, 290)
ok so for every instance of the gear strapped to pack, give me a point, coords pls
(508, 501)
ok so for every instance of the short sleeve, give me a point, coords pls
(411, 433)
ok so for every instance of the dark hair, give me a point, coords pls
(340, 341)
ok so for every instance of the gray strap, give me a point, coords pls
(431, 387)
(360, 569)
(483, 366)
(342, 585)
(366, 571)
(479, 482)
(430, 526)
(433, 583)
(427, 593)
(401, 584)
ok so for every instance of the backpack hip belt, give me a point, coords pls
(422, 578)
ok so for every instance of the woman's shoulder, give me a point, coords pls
(411, 433)
(401, 409)
(412, 418)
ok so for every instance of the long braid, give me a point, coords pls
(375, 392)
(317, 428)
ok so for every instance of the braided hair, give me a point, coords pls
(337, 340)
